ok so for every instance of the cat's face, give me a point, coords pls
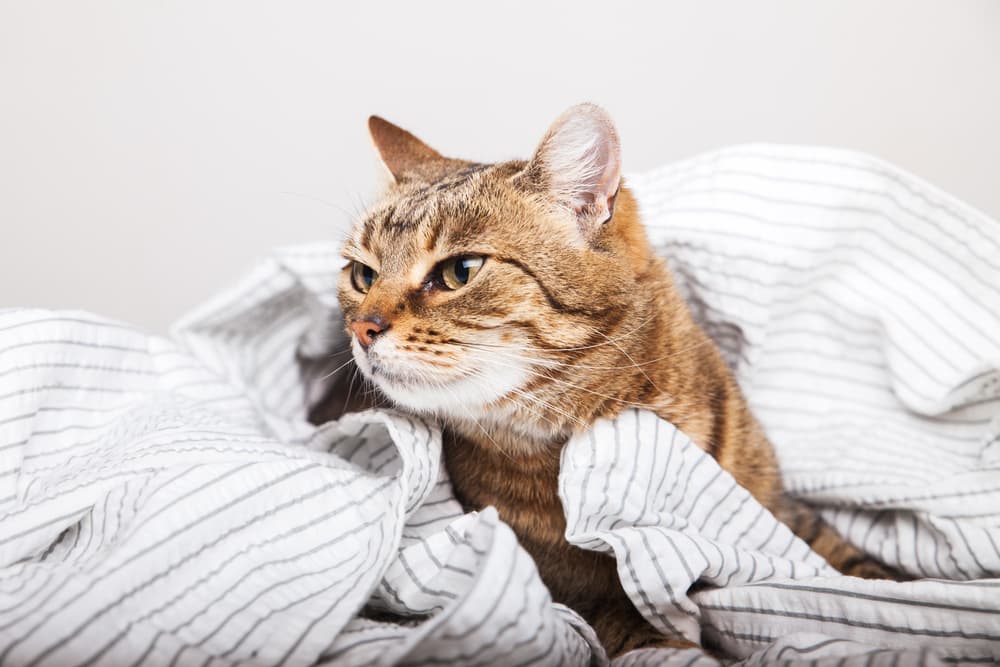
(471, 289)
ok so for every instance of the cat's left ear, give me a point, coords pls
(578, 165)
(403, 155)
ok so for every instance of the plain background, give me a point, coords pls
(150, 152)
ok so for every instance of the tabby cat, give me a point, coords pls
(519, 302)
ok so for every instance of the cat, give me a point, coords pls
(517, 303)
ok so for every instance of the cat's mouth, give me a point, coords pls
(389, 369)
(395, 376)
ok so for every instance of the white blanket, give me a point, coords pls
(167, 503)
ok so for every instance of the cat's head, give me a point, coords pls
(485, 291)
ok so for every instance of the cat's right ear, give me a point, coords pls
(403, 155)
(578, 167)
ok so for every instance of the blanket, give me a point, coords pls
(166, 501)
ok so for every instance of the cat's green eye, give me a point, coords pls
(458, 271)
(362, 277)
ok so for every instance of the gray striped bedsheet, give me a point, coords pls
(165, 502)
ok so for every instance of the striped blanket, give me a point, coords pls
(166, 502)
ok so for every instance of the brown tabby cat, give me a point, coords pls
(518, 302)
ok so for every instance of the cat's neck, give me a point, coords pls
(514, 436)
(521, 483)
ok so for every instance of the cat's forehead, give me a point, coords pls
(416, 219)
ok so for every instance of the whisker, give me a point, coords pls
(350, 388)
(318, 200)
(552, 362)
(476, 421)
(629, 357)
(532, 399)
(539, 400)
(337, 369)
(571, 385)
(609, 341)
(585, 389)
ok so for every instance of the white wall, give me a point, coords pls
(151, 151)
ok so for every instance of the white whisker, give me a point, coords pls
(337, 369)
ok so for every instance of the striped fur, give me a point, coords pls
(147, 515)
(573, 318)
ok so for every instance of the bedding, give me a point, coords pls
(167, 502)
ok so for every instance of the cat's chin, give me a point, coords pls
(462, 396)
(459, 398)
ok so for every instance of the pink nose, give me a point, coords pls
(366, 330)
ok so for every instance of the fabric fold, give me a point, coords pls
(167, 502)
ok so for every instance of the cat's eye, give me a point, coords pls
(458, 271)
(362, 277)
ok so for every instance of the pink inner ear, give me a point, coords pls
(581, 159)
(606, 185)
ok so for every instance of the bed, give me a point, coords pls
(166, 501)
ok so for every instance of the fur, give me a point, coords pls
(571, 318)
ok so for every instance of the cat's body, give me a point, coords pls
(519, 302)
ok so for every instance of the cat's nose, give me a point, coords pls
(367, 329)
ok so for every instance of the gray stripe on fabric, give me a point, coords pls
(294, 603)
(218, 568)
(904, 322)
(63, 319)
(74, 343)
(143, 552)
(711, 513)
(599, 513)
(586, 480)
(896, 178)
(666, 468)
(473, 628)
(635, 469)
(968, 547)
(928, 244)
(463, 658)
(98, 368)
(853, 622)
(420, 584)
(875, 598)
(647, 603)
(101, 652)
(75, 514)
(687, 480)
